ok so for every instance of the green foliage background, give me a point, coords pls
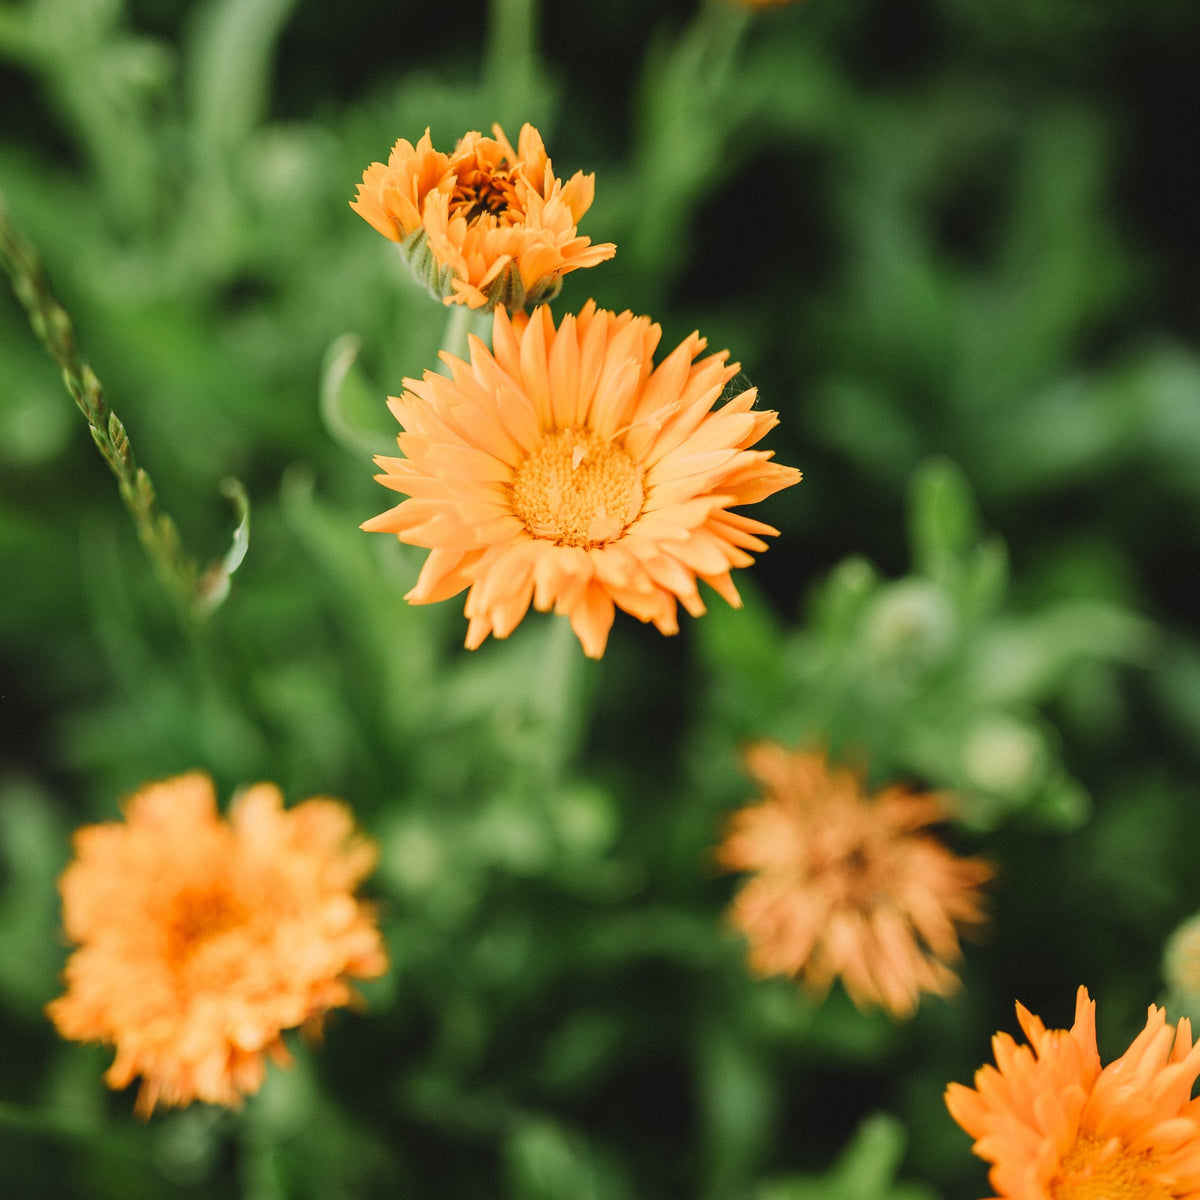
(953, 242)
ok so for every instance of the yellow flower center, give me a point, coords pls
(577, 489)
(1105, 1170)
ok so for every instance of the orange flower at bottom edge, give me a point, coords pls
(200, 940)
(1057, 1126)
(567, 471)
(845, 886)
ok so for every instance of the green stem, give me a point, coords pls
(195, 594)
(689, 106)
(511, 57)
(460, 323)
(563, 692)
(454, 340)
(259, 1168)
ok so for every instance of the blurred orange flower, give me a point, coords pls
(1057, 1126)
(200, 939)
(567, 471)
(845, 886)
(485, 225)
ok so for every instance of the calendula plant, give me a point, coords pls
(933, 674)
(718, 914)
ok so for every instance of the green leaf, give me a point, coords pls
(351, 408)
(865, 1171)
(943, 521)
(32, 845)
(546, 1161)
(738, 1097)
(229, 67)
(214, 587)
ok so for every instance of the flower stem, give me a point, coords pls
(511, 57)
(259, 1172)
(196, 594)
(454, 340)
(690, 98)
(563, 692)
(460, 324)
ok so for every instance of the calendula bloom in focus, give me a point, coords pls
(566, 470)
(848, 887)
(1055, 1125)
(486, 225)
(201, 939)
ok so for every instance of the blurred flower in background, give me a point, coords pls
(486, 225)
(1181, 968)
(201, 940)
(846, 886)
(567, 471)
(1054, 1124)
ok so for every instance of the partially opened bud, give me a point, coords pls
(488, 225)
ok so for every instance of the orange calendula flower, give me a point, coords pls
(565, 470)
(200, 940)
(846, 886)
(485, 225)
(1058, 1126)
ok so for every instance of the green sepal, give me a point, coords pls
(434, 276)
(506, 291)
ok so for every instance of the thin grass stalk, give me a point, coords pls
(196, 594)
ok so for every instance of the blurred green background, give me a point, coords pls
(954, 244)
